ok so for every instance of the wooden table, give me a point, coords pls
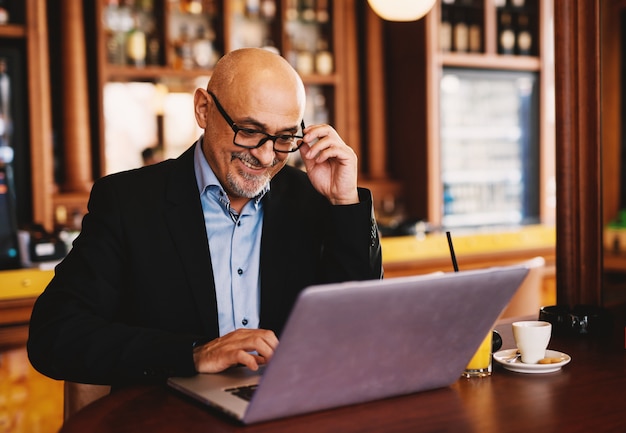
(588, 394)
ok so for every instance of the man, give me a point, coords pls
(193, 264)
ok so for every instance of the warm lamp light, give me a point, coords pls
(401, 10)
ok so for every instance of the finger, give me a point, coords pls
(317, 133)
(261, 341)
(316, 148)
(253, 360)
(271, 339)
(326, 149)
(313, 132)
(264, 343)
(260, 360)
(307, 156)
(265, 350)
(246, 359)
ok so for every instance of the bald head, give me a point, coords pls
(250, 72)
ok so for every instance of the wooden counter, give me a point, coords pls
(430, 253)
(413, 255)
(407, 255)
(18, 291)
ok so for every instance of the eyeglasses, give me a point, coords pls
(252, 138)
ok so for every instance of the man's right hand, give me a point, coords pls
(250, 347)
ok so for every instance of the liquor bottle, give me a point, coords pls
(291, 10)
(66, 230)
(194, 7)
(445, 31)
(506, 37)
(4, 12)
(304, 59)
(115, 36)
(253, 8)
(475, 35)
(268, 9)
(460, 33)
(184, 52)
(321, 13)
(153, 56)
(524, 37)
(307, 10)
(136, 46)
(323, 58)
(202, 49)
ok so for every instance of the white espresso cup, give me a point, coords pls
(532, 338)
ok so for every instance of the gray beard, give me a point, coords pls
(254, 184)
(250, 189)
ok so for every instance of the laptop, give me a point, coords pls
(354, 342)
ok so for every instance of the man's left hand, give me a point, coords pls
(330, 164)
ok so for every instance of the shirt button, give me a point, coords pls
(244, 322)
(239, 223)
(240, 271)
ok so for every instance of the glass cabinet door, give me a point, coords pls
(489, 147)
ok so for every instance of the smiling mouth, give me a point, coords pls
(251, 166)
(251, 162)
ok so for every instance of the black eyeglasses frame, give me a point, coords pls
(267, 137)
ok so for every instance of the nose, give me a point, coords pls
(265, 153)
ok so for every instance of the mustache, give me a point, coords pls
(250, 159)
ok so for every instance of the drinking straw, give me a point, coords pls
(454, 263)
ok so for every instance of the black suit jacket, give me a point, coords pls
(137, 288)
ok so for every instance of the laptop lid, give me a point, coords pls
(354, 342)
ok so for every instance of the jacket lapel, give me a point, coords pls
(275, 254)
(186, 225)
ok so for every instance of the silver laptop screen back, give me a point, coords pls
(360, 341)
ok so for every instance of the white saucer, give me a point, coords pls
(519, 367)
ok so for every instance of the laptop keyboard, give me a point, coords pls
(245, 392)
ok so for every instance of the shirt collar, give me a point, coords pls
(205, 177)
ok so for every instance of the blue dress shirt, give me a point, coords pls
(234, 245)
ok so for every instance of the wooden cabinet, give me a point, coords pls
(23, 48)
(381, 94)
(416, 57)
(140, 97)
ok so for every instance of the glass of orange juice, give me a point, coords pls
(480, 364)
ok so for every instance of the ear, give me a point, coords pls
(201, 107)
